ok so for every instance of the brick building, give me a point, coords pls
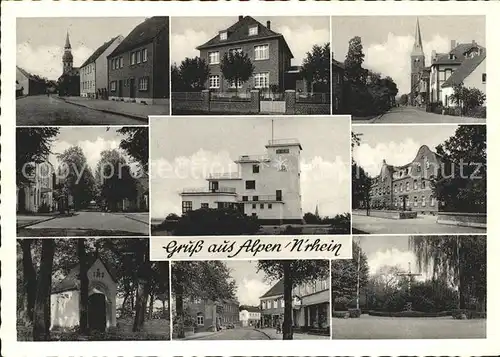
(310, 306)
(138, 68)
(408, 186)
(268, 50)
(208, 315)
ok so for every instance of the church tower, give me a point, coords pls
(67, 58)
(417, 64)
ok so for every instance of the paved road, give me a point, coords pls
(89, 224)
(44, 110)
(236, 334)
(413, 115)
(419, 225)
(374, 327)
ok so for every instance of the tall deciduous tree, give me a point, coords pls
(353, 63)
(84, 286)
(207, 280)
(115, 179)
(361, 182)
(78, 180)
(344, 278)
(136, 144)
(459, 260)
(463, 184)
(191, 75)
(41, 313)
(33, 146)
(293, 273)
(236, 67)
(316, 68)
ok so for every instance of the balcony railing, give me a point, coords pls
(224, 175)
(262, 199)
(283, 141)
(206, 190)
(254, 158)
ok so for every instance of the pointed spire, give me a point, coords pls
(316, 212)
(67, 45)
(417, 45)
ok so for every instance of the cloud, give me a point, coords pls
(184, 44)
(327, 184)
(168, 178)
(91, 149)
(392, 58)
(370, 158)
(46, 61)
(249, 291)
(394, 257)
(301, 40)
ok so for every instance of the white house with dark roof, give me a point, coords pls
(65, 298)
(266, 186)
(94, 71)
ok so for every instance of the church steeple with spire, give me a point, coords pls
(67, 58)
(417, 64)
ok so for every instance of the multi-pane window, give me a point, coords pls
(113, 86)
(270, 206)
(121, 62)
(407, 186)
(253, 30)
(223, 36)
(255, 169)
(213, 57)
(255, 198)
(204, 205)
(423, 201)
(240, 84)
(144, 83)
(187, 206)
(144, 55)
(250, 185)
(415, 201)
(132, 58)
(199, 320)
(214, 81)
(138, 56)
(261, 80)
(422, 184)
(415, 185)
(261, 52)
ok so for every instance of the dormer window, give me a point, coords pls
(452, 56)
(253, 30)
(223, 36)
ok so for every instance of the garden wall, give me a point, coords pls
(477, 220)
(387, 214)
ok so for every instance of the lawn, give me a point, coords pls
(156, 329)
(374, 327)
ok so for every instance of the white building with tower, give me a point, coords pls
(266, 186)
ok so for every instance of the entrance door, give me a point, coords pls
(97, 312)
(21, 200)
(132, 87)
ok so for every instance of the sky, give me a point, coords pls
(397, 144)
(301, 33)
(194, 147)
(92, 141)
(40, 41)
(250, 285)
(390, 251)
(388, 41)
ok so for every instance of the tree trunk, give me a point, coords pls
(84, 287)
(151, 305)
(124, 302)
(179, 308)
(29, 277)
(41, 310)
(143, 290)
(461, 277)
(287, 295)
(163, 308)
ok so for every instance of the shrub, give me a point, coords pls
(477, 112)
(464, 314)
(44, 208)
(408, 314)
(354, 313)
(341, 314)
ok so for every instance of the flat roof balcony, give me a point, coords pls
(254, 158)
(204, 190)
(284, 142)
(224, 176)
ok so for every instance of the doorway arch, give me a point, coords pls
(97, 312)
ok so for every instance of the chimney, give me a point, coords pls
(268, 25)
(474, 43)
(453, 44)
(240, 17)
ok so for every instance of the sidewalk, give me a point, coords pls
(25, 220)
(142, 217)
(133, 110)
(199, 335)
(271, 333)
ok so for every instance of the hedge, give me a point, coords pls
(468, 314)
(409, 314)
